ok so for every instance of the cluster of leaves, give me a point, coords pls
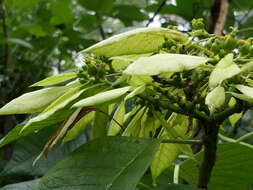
(41, 36)
(152, 83)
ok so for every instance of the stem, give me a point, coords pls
(182, 141)
(244, 137)
(204, 50)
(210, 147)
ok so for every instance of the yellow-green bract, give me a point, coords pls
(247, 93)
(215, 99)
(55, 79)
(224, 69)
(34, 101)
(138, 41)
(102, 97)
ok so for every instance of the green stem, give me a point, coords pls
(227, 139)
(204, 50)
(182, 141)
(244, 137)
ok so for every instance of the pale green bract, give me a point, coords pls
(163, 63)
(121, 62)
(225, 69)
(79, 127)
(118, 116)
(102, 97)
(34, 101)
(133, 128)
(215, 99)
(246, 90)
(136, 91)
(235, 118)
(138, 41)
(55, 79)
(242, 97)
(175, 128)
(53, 108)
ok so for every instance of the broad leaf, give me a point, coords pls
(34, 101)
(108, 163)
(163, 63)
(215, 99)
(233, 166)
(28, 185)
(55, 79)
(167, 187)
(225, 69)
(102, 97)
(138, 41)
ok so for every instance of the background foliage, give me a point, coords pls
(41, 38)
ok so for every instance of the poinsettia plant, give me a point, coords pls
(152, 96)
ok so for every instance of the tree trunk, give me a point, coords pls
(210, 147)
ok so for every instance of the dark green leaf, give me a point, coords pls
(109, 163)
(27, 149)
(28, 185)
(233, 166)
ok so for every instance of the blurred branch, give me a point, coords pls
(156, 12)
(245, 29)
(100, 27)
(102, 32)
(245, 16)
(5, 35)
(222, 17)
